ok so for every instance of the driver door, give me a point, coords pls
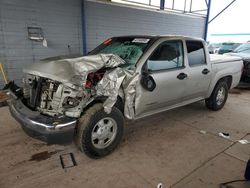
(165, 67)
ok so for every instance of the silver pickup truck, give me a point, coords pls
(85, 98)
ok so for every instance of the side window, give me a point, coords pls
(168, 55)
(196, 53)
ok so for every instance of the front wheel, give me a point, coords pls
(99, 133)
(218, 97)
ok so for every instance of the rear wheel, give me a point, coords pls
(218, 97)
(99, 133)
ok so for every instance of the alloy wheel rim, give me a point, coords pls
(221, 94)
(104, 132)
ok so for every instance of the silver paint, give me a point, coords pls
(73, 71)
(138, 102)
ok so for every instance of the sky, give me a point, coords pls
(233, 21)
(232, 25)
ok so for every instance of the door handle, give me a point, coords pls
(182, 76)
(205, 71)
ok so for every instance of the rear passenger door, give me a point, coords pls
(199, 71)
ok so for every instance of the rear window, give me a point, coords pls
(195, 53)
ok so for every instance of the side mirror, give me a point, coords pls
(147, 82)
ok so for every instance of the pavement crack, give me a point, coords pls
(207, 161)
(208, 132)
(234, 157)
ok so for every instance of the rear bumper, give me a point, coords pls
(53, 130)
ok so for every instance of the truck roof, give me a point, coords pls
(162, 36)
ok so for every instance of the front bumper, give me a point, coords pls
(53, 130)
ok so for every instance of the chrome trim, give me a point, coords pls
(38, 122)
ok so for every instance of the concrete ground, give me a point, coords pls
(166, 148)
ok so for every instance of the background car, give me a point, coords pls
(243, 51)
(213, 47)
(227, 47)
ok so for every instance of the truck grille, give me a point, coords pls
(35, 93)
(41, 92)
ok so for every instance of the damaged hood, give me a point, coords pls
(73, 70)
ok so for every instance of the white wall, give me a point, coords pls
(233, 20)
(105, 20)
(60, 21)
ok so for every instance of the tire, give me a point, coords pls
(99, 133)
(218, 97)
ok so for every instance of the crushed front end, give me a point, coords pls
(55, 94)
(46, 109)
(53, 98)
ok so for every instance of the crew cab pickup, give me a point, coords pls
(86, 98)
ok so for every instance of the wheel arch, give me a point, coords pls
(119, 103)
(227, 78)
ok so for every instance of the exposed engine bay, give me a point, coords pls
(53, 98)
(99, 76)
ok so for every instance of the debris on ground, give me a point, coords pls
(243, 141)
(159, 185)
(68, 160)
(224, 135)
(203, 132)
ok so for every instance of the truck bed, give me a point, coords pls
(214, 58)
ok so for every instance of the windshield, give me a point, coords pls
(129, 49)
(229, 46)
(244, 48)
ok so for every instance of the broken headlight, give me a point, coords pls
(70, 102)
